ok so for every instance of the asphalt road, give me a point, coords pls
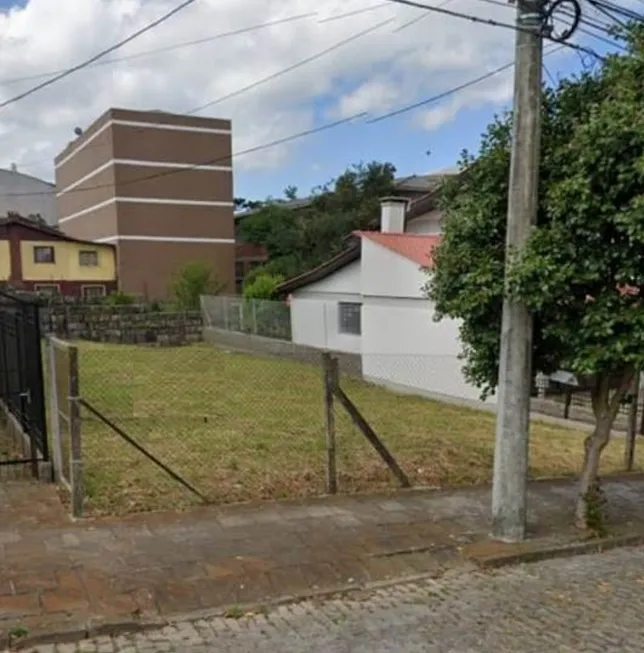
(588, 604)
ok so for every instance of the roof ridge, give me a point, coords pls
(396, 234)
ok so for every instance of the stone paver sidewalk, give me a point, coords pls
(91, 576)
(591, 603)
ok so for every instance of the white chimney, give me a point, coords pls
(392, 215)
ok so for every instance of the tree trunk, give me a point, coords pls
(593, 445)
(605, 409)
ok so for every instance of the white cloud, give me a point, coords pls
(382, 70)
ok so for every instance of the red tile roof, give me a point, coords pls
(416, 247)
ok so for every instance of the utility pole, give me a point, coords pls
(509, 492)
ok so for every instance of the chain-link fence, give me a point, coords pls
(270, 319)
(173, 427)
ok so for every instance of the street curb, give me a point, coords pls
(89, 630)
(96, 628)
(528, 555)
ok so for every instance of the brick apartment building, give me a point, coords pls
(157, 185)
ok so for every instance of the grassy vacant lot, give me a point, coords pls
(240, 427)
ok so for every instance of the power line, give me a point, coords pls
(424, 15)
(292, 67)
(549, 74)
(609, 6)
(207, 39)
(451, 91)
(167, 48)
(355, 12)
(488, 21)
(101, 54)
(298, 135)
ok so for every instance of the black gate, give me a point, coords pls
(21, 382)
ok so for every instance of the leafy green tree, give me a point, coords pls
(191, 281)
(583, 269)
(299, 239)
(290, 192)
(263, 286)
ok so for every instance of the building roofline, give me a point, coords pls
(59, 235)
(22, 174)
(349, 254)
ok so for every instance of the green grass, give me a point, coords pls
(241, 428)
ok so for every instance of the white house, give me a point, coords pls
(369, 300)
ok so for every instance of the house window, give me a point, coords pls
(44, 254)
(239, 269)
(88, 258)
(93, 291)
(349, 318)
(47, 288)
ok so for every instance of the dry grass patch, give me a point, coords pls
(240, 427)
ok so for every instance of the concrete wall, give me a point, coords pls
(235, 341)
(314, 311)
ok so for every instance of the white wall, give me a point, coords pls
(428, 223)
(314, 311)
(402, 346)
(27, 195)
(386, 273)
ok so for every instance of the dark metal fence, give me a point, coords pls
(21, 382)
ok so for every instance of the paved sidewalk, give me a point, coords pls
(591, 603)
(57, 576)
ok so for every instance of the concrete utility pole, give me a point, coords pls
(515, 366)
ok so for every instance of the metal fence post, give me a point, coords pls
(75, 451)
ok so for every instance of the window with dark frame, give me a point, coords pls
(44, 254)
(88, 258)
(93, 291)
(349, 318)
(239, 269)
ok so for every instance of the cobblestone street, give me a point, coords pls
(591, 604)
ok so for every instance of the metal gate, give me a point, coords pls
(21, 383)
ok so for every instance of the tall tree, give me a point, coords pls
(583, 269)
(298, 239)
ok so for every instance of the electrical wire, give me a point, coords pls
(417, 19)
(296, 136)
(379, 118)
(100, 55)
(292, 67)
(355, 12)
(622, 11)
(491, 22)
(451, 91)
(549, 74)
(167, 48)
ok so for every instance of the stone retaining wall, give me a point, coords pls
(129, 324)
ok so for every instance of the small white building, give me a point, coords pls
(369, 299)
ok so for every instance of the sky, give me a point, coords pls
(394, 56)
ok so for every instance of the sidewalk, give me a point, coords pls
(94, 576)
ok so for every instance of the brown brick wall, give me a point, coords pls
(136, 260)
(175, 221)
(147, 266)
